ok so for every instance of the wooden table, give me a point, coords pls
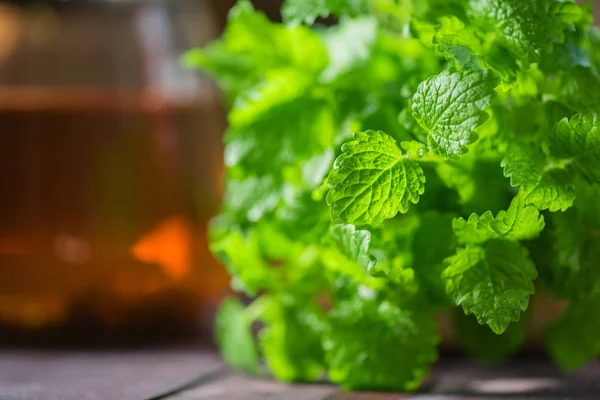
(196, 374)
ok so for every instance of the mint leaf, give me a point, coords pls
(350, 46)
(252, 197)
(354, 244)
(372, 181)
(391, 244)
(374, 344)
(263, 125)
(240, 59)
(492, 281)
(449, 106)
(526, 28)
(242, 256)
(573, 272)
(572, 340)
(304, 11)
(291, 339)
(457, 41)
(542, 185)
(519, 222)
(579, 140)
(307, 11)
(578, 89)
(234, 337)
(471, 48)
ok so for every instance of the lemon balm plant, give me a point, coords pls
(410, 158)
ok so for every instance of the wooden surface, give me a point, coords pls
(196, 375)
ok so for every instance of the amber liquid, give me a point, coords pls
(103, 212)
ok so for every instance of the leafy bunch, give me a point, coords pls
(410, 158)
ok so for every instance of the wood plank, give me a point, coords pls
(194, 375)
(120, 375)
(452, 379)
(241, 387)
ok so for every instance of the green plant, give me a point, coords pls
(415, 156)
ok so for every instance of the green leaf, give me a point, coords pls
(265, 120)
(449, 106)
(391, 243)
(304, 218)
(480, 342)
(307, 11)
(541, 184)
(279, 87)
(492, 281)
(471, 48)
(519, 222)
(372, 181)
(457, 41)
(242, 256)
(291, 339)
(252, 197)
(579, 140)
(572, 340)
(234, 337)
(289, 136)
(578, 89)
(350, 45)
(304, 11)
(252, 46)
(353, 244)
(526, 28)
(374, 344)
(573, 271)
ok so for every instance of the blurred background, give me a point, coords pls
(110, 168)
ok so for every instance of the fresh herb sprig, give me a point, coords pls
(413, 157)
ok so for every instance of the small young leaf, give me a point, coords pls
(241, 254)
(545, 188)
(307, 11)
(492, 281)
(234, 337)
(579, 140)
(519, 222)
(240, 59)
(449, 106)
(354, 244)
(457, 41)
(371, 181)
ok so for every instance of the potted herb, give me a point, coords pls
(414, 157)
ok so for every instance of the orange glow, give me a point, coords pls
(168, 245)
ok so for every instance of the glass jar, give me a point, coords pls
(110, 162)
